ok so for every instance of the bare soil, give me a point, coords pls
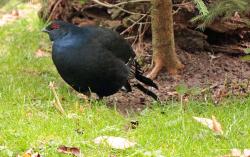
(219, 74)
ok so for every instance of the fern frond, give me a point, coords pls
(220, 9)
(201, 6)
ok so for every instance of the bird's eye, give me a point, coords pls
(54, 26)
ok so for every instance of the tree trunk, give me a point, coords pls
(163, 39)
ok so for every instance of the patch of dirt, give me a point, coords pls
(219, 74)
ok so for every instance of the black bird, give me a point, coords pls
(95, 59)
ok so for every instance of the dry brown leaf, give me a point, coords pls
(40, 53)
(70, 150)
(216, 126)
(213, 124)
(114, 142)
(30, 153)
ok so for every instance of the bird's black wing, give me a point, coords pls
(121, 49)
(112, 41)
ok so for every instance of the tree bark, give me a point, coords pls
(164, 54)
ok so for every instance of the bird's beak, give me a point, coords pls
(45, 30)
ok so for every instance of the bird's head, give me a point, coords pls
(57, 29)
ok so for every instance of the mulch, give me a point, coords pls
(217, 75)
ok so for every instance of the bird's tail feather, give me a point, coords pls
(146, 91)
(143, 79)
(136, 72)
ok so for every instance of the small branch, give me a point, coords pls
(54, 8)
(182, 4)
(133, 1)
(177, 10)
(130, 37)
(131, 26)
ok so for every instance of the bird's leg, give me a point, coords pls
(100, 97)
(85, 96)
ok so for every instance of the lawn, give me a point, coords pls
(28, 118)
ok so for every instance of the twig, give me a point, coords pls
(130, 37)
(54, 8)
(176, 11)
(183, 3)
(131, 26)
(58, 104)
(137, 36)
(133, 1)
(146, 25)
(140, 39)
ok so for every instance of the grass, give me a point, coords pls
(28, 118)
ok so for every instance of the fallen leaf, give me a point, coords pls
(40, 53)
(216, 126)
(70, 150)
(205, 121)
(246, 152)
(213, 124)
(235, 152)
(114, 142)
(30, 153)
